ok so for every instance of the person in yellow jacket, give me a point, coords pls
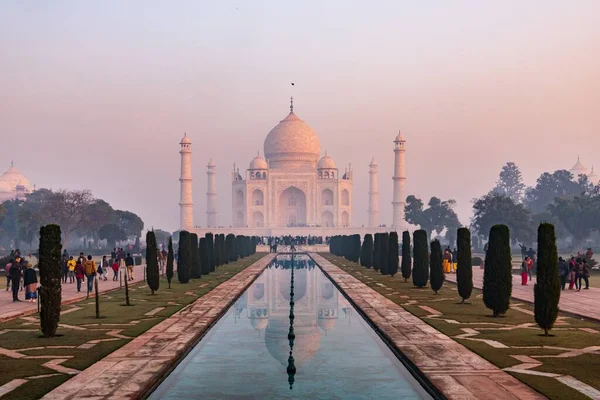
(90, 272)
(71, 269)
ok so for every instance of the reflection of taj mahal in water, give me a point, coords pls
(318, 308)
(293, 189)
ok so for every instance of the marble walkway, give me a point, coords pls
(10, 309)
(457, 372)
(583, 303)
(131, 370)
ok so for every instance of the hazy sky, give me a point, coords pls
(98, 94)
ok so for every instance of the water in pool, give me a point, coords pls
(331, 353)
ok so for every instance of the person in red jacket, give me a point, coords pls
(79, 274)
(115, 268)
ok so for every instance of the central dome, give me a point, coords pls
(292, 144)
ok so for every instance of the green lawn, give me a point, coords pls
(568, 333)
(83, 327)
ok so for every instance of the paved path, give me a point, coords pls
(457, 372)
(130, 371)
(9, 309)
(583, 303)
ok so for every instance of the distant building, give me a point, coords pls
(579, 169)
(14, 185)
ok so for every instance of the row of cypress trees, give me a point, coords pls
(199, 257)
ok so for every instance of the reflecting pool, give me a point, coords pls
(291, 338)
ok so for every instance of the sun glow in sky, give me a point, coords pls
(98, 94)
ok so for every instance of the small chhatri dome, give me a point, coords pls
(211, 163)
(578, 169)
(258, 162)
(292, 144)
(400, 137)
(326, 162)
(593, 177)
(373, 163)
(185, 139)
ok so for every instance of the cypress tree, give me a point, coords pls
(50, 274)
(355, 246)
(204, 256)
(127, 302)
(224, 252)
(547, 287)
(152, 274)
(406, 259)
(97, 298)
(385, 254)
(437, 276)
(366, 258)
(420, 271)
(393, 254)
(497, 275)
(231, 248)
(170, 262)
(196, 265)
(184, 262)
(210, 251)
(377, 252)
(464, 268)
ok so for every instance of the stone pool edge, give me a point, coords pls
(136, 368)
(446, 366)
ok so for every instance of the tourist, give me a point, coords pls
(104, 265)
(30, 281)
(572, 273)
(100, 271)
(7, 272)
(523, 251)
(524, 271)
(578, 272)
(90, 273)
(447, 261)
(589, 253)
(115, 268)
(71, 266)
(585, 274)
(563, 272)
(454, 259)
(15, 278)
(79, 274)
(129, 265)
(113, 254)
(81, 258)
(530, 267)
(64, 268)
(531, 254)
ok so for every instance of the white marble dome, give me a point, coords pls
(292, 143)
(326, 163)
(12, 178)
(578, 169)
(258, 162)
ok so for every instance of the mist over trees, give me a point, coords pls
(79, 214)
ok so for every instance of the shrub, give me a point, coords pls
(366, 256)
(464, 266)
(421, 259)
(393, 254)
(231, 248)
(152, 274)
(224, 253)
(184, 262)
(196, 265)
(547, 287)
(406, 259)
(50, 275)
(497, 275)
(385, 254)
(435, 263)
(170, 262)
(210, 251)
(377, 252)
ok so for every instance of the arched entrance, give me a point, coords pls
(258, 219)
(292, 207)
(327, 197)
(239, 219)
(345, 219)
(327, 219)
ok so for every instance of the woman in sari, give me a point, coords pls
(447, 262)
(524, 271)
(30, 282)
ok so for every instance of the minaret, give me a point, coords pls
(186, 205)
(399, 181)
(211, 196)
(373, 194)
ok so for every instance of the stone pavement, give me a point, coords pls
(583, 303)
(9, 310)
(454, 370)
(132, 370)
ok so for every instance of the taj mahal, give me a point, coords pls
(293, 189)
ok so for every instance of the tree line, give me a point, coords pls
(77, 212)
(425, 263)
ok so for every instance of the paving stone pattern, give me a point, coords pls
(129, 371)
(456, 371)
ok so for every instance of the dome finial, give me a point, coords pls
(292, 104)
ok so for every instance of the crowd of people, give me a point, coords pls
(22, 276)
(574, 271)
